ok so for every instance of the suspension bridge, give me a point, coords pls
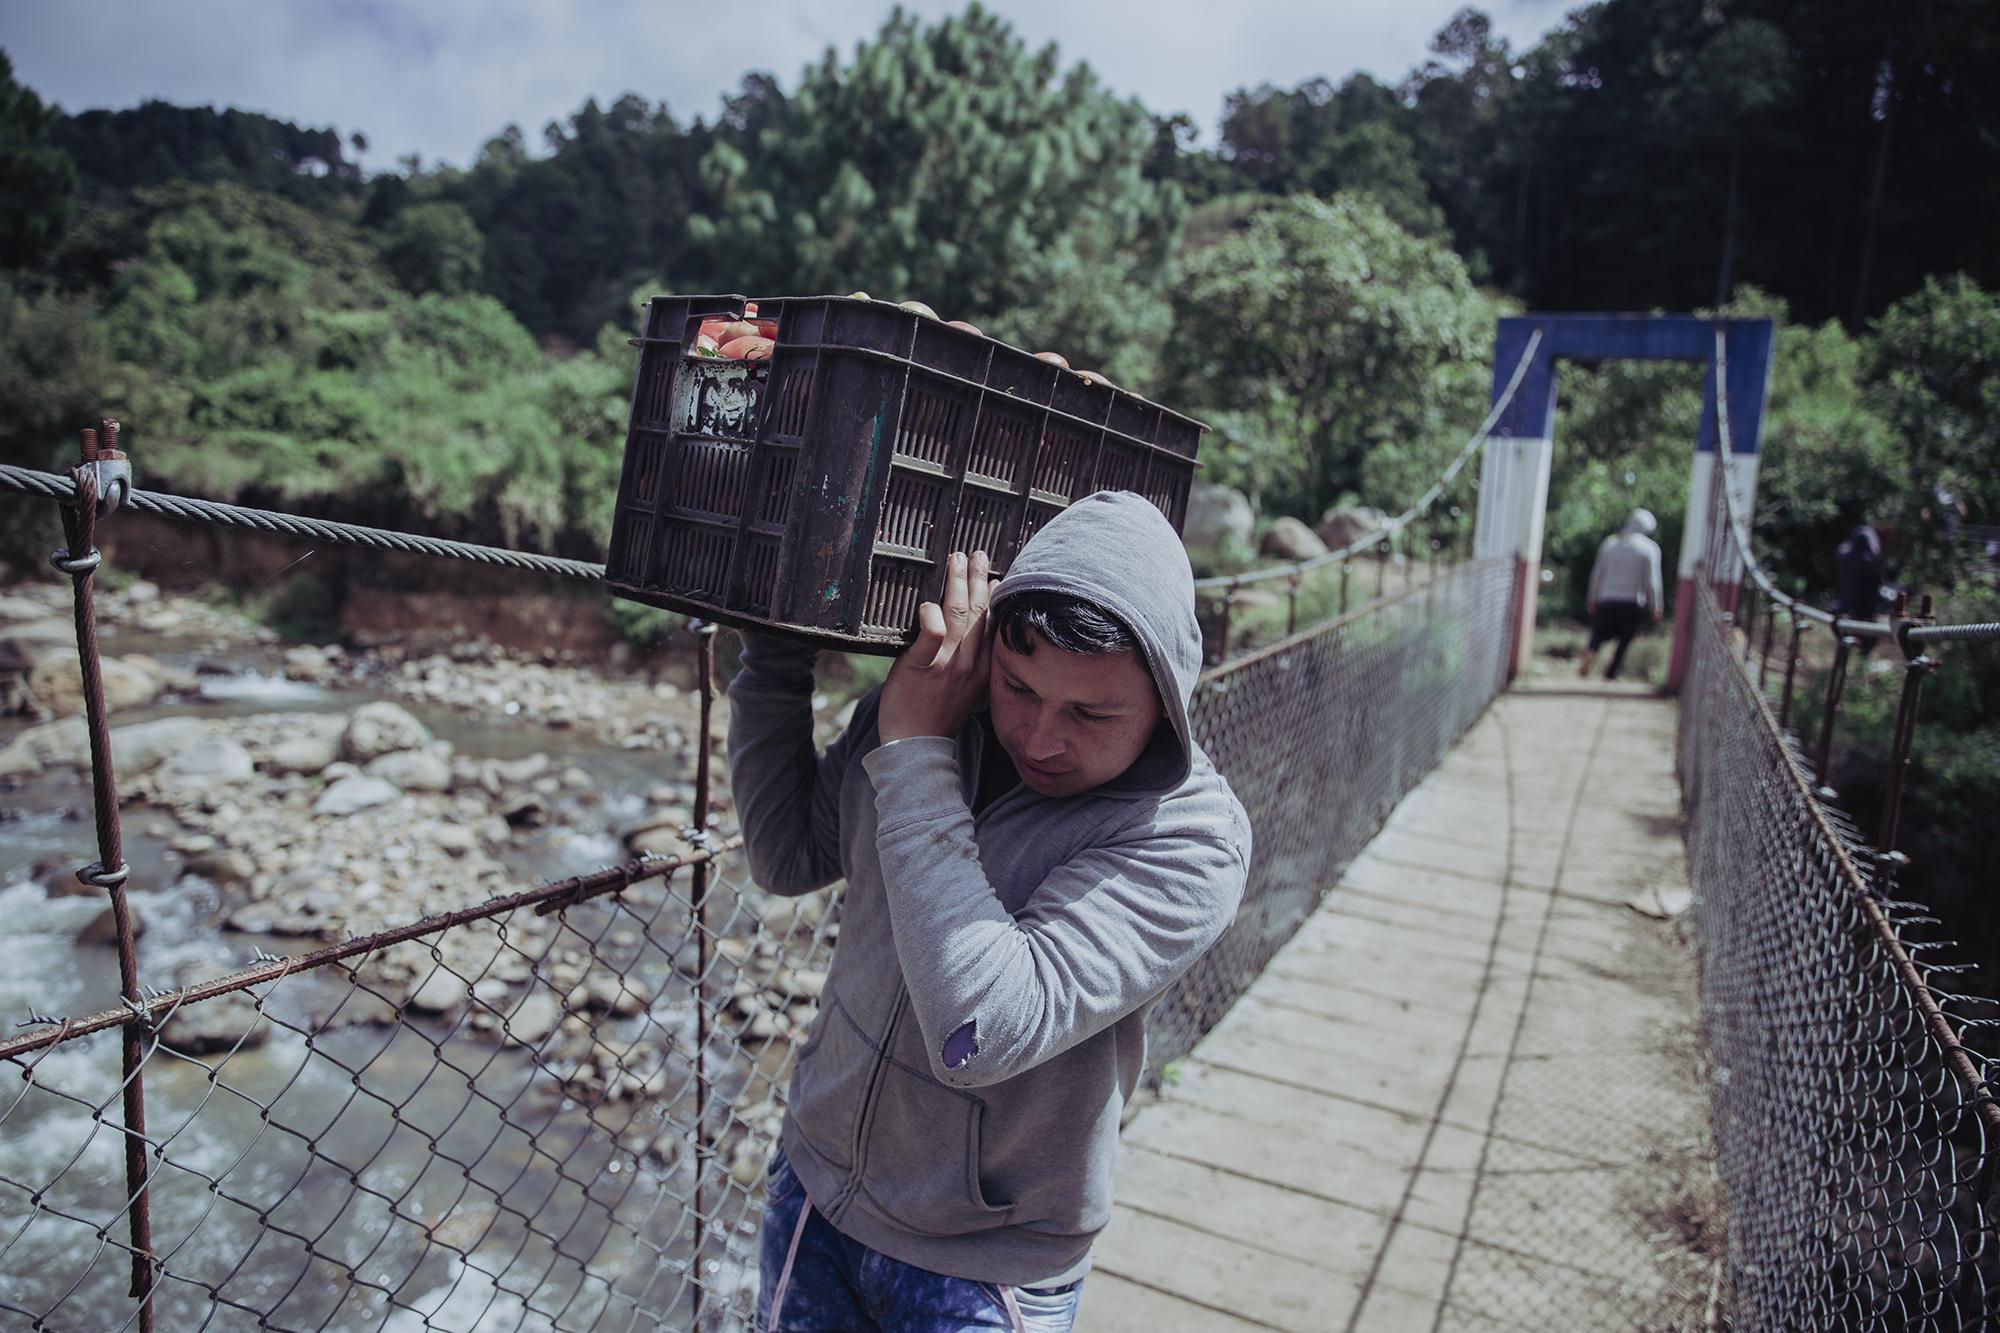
(1568, 1006)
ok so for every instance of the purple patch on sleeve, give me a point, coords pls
(961, 1046)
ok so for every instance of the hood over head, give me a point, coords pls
(1117, 551)
(1641, 522)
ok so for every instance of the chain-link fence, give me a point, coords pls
(1321, 734)
(551, 1109)
(1856, 1131)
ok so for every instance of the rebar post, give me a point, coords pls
(1228, 615)
(1343, 586)
(1916, 666)
(1770, 627)
(1836, 680)
(1791, 671)
(704, 633)
(1748, 619)
(80, 559)
(1292, 603)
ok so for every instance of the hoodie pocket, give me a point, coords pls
(830, 1085)
(921, 1168)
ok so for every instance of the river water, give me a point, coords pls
(378, 1175)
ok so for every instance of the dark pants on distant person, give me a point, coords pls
(1616, 620)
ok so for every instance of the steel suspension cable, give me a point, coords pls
(53, 486)
(1389, 527)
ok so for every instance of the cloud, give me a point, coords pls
(442, 76)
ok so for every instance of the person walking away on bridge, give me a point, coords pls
(1624, 588)
(1857, 564)
(1035, 848)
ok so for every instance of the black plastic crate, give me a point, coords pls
(821, 491)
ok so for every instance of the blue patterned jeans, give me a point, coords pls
(815, 1280)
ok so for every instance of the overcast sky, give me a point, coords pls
(440, 77)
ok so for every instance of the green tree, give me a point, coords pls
(1730, 100)
(37, 178)
(951, 164)
(569, 233)
(1316, 334)
(260, 351)
(1316, 139)
(1934, 375)
(434, 247)
(157, 143)
(1829, 460)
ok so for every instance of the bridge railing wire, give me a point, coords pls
(551, 1108)
(1854, 1102)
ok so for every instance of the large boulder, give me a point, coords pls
(1343, 525)
(221, 865)
(1290, 540)
(353, 794)
(227, 1022)
(302, 754)
(141, 746)
(412, 770)
(14, 610)
(24, 643)
(66, 741)
(172, 679)
(1217, 516)
(381, 728)
(57, 683)
(217, 759)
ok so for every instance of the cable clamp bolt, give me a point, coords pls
(114, 483)
(78, 565)
(97, 876)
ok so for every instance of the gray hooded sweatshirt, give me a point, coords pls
(983, 1024)
(1627, 568)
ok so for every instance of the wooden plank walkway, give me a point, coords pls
(1468, 1094)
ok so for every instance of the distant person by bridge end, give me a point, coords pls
(1624, 590)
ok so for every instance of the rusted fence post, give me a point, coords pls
(1916, 665)
(1770, 626)
(1747, 617)
(1791, 671)
(697, 836)
(103, 479)
(1836, 680)
(1228, 615)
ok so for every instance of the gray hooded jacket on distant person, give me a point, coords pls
(1627, 568)
(1048, 925)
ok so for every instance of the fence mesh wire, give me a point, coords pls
(1856, 1146)
(1320, 735)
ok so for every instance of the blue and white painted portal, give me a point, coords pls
(1514, 476)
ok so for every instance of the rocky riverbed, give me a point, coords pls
(281, 798)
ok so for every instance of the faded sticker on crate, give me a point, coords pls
(718, 397)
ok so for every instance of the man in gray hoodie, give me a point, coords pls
(1034, 848)
(1624, 590)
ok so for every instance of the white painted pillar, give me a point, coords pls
(1513, 509)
